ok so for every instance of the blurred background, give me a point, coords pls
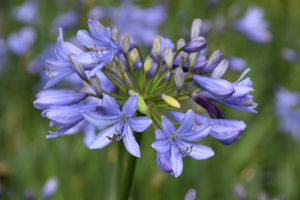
(263, 159)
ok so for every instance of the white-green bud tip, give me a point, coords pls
(168, 56)
(156, 44)
(196, 28)
(148, 63)
(125, 42)
(134, 54)
(179, 78)
(77, 67)
(194, 58)
(220, 70)
(115, 33)
(171, 101)
(180, 43)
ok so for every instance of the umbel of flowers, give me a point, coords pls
(123, 94)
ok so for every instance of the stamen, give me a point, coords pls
(94, 45)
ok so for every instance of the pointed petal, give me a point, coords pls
(177, 162)
(89, 134)
(140, 124)
(101, 140)
(58, 132)
(130, 106)
(199, 152)
(197, 134)
(167, 126)
(98, 67)
(187, 122)
(99, 119)
(158, 134)
(57, 78)
(129, 141)
(110, 106)
(162, 145)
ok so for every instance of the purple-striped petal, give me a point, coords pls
(130, 106)
(162, 145)
(187, 122)
(197, 134)
(99, 119)
(109, 106)
(177, 162)
(101, 140)
(140, 124)
(130, 143)
(199, 152)
(167, 126)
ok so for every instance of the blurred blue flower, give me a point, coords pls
(122, 122)
(177, 141)
(289, 55)
(97, 13)
(20, 42)
(254, 26)
(26, 12)
(65, 21)
(190, 195)
(237, 63)
(50, 188)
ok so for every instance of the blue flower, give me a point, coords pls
(102, 47)
(60, 67)
(26, 12)
(237, 63)
(65, 21)
(120, 122)
(50, 188)
(20, 42)
(177, 141)
(225, 131)
(240, 99)
(254, 26)
(195, 45)
(217, 87)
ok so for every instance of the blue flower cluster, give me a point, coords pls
(121, 95)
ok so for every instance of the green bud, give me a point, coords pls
(96, 85)
(125, 42)
(121, 66)
(148, 63)
(194, 58)
(180, 44)
(168, 56)
(142, 106)
(134, 54)
(179, 78)
(171, 101)
(156, 44)
(115, 34)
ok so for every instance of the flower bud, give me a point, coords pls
(168, 56)
(194, 58)
(195, 45)
(156, 44)
(96, 85)
(134, 54)
(213, 61)
(180, 43)
(196, 28)
(115, 34)
(217, 87)
(220, 70)
(125, 42)
(142, 106)
(171, 101)
(121, 66)
(190, 195)
(77, 67)
(179, 78)
(148, 63)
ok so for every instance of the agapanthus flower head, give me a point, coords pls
(178, 141)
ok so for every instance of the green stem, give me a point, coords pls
(177, 94)
(177, 53)
(128, 179)
(156, 83)
(114, 95)
(131, 72)
(169, 80)
(156, 72)
(119, 166)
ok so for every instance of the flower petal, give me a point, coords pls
(199, 152)
(57, 78)
(99, 119)
(101, 139)
(177, 162)
(140, 124)
(89, 134)
(162, 145)
(129, 141)
(130, 106)
(187, 122)
(167, 126)
(109, 106)
(199, 133)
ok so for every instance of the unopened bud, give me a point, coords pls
(96, 85)
(125, 42)
(156, 44)
(134, 54)
(148, 63)
(168, 56)
(179, 78)
(171, 101)
(195, 45)
(220, 70)
(190, 195)
(121, 66)
(213, 61)
(115, 33)
(196, 28)
(77, 67)
(180, 43)
(142, 106)
(194, 58)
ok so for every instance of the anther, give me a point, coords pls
(94, 45)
